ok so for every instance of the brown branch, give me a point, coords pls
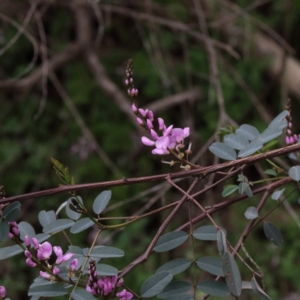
(201, 171)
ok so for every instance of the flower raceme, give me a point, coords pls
(170, 138)
(44, 253)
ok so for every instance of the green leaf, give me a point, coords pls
(81, 294)
(106, 270)
(244, 187)
(175, 266)
(71, 213)
(250, 148)
(12, 211)
(41, 237)
(223, 151)
(236, 141)
(210, 264)
(221, 242)
(170, 241)
(101, 202)
(247, 131)
(58, 225)
(214, 288)
(277, 194)
(155, 284)
(271, 172)
(294, 173)
(4, 230)
(273, 234)
(104, 251)
(81, 225)
(251, 213)
(7, 252)
(46, 217)
(175, 288)
(76, 250)
(26, 229)
(206, 233)
(229, 189)
(258, 291)
(232, 274)
(47, 290)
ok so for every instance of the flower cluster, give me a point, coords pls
(2, 292)
(290, 137)
(168, 138)
(106, 286)
(43, 254)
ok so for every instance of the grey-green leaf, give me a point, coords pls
(58, 225)
(46, 217)
(71, 213)
(247, 131)
(170, 241)
(7, 252)
(223, 151)
(258, 291)
(273, 234)
(221, 242)
(80, 294)
(232, 274)
(12, 211)
(81, 225)
(236, 141)
(251, 213)
(210, 264)
(155, 284)
(277, 194)
(175, 288)
(106, 270)
(270, 133)
(294, 173)
(4, 230)
(101, 202)
(47, 290)
(175, 266)
(206, 233)
(214, 288)
(250, 148)
(229, 189)
(105, 251)
(26, 229)
(279, 118)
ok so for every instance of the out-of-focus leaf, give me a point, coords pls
(81, 225)
(58, 225)
(273, 234)
(175, 288)
(175, 266)
(214, 288)
(229, 189)
(247, 131)
(251, 213)
(210, 264)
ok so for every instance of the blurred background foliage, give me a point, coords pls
(86, 123)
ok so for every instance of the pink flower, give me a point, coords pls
(124, 295)
(35, 243)
(59, 254)
(2, 291)
(30, 263)
(45, 275)
(44, 251)
(27, 241)
(56, 271)
(74, 264)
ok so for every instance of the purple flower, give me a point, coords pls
(74, 264)
(35, 243)
(59, 254)
(56, 270)
(27, 241)
(44, 251)
(30, 262)
(2, 291)
(45, 275)
(124, 295)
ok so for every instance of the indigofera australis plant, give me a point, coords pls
(77, 272)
